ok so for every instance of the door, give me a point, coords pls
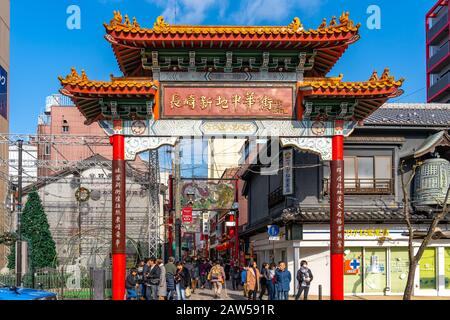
(428, 269)
(375, 279)
(399, 269)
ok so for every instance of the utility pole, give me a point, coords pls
(19, 217)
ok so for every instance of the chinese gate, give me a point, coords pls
(226, 81)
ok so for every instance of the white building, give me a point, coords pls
(29, 164)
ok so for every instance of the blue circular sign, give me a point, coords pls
(273, 230)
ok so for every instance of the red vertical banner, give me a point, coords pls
(337, 215)
(187, 215)
(118, 213)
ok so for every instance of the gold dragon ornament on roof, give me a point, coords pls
(296, 25)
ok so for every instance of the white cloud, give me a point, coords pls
(247, 12)
(185, 11)
(255, 11)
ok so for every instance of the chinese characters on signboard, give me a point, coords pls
(337, 207)
(205, 223)
(228, 102)
(3, 93)
(118, 203)
(288, 181)
(187, 215)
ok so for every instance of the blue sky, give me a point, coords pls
(42, 47)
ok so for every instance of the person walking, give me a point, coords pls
(304, 278)
(253, 279)
(195, 275)
(283, 278)
(244, 280)
(171, 270)
(170, 266)
(203, 273)
(271, 281)
(182, 281)
(153, 277)
(140, 279)
(235, 275)
(131, 284)
(162, 289)
(263, 280)
(217, 278)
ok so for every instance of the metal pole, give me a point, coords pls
(320, 292)
(19, 270)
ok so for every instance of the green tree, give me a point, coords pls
(36, 231)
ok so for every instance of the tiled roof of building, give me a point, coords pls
(123, 24)
(322, 215)
(411, 114)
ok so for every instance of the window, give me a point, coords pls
(47, 149)
(368, 174)
(428, 269)
(65, 126)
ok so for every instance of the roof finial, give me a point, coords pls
(323, 25)
(84, 76)
(73, 74)
(127, 21)
(386, 75)
(117, 18)
(333, 22)
(135, 23)
(345, 18)
(296, 25)
(160, 23)
(374, 76)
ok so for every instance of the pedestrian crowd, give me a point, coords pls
(151, 279)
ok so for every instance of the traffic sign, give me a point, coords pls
(273, 230)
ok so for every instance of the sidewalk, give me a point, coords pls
(207, 294)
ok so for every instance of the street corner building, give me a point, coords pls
(249, 82)
(376, 234)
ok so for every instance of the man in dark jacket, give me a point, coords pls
(152, 278)
(304, 278)
(131, 285)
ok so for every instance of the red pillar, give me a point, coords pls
(337, 215)
(118, 213)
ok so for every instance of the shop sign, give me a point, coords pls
(3, 93)
(205, 223)
(187, 215)
(288, 181)
(352, 267)
(367, 233)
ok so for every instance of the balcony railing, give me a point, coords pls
(276, 197)
(439, 55)
(364, 186)
(440, 85)
(437, 27)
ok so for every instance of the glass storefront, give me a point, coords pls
(428, 269)
(375, 270)
(399, 269)
(447, 267)
(353, 268)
